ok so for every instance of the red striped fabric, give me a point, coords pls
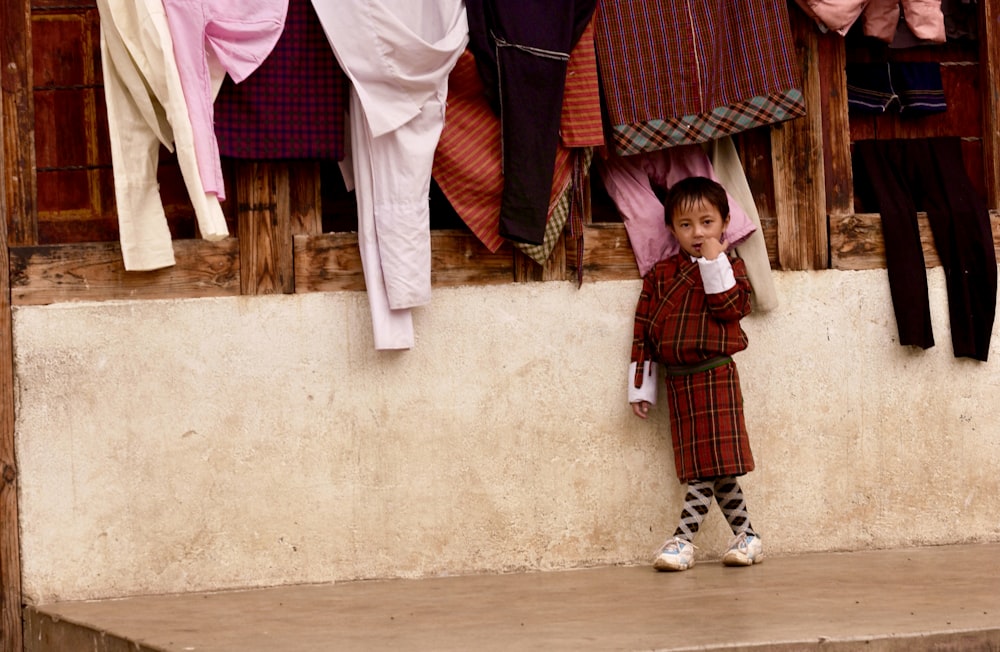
(689, 71)
(467, 163)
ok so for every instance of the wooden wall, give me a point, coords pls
(291, 223)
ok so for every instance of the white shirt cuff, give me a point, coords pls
(717, 275)
(647, 392)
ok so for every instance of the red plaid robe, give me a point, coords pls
(676, 323)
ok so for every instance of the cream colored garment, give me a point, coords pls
(398, 55)
(753, 250)
(146, 107)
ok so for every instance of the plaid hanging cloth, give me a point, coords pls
(686, 71)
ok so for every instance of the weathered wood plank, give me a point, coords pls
(17, 113)
(95, 272)
(856, 241)
(459, 258)
(838, 175)
(11, 632)
(327, 262)
(797, 158)
(607, 254)
(265, 229)
(18, 224)
(990, 84)
(305, 197)
(526, 269)
(332, 262)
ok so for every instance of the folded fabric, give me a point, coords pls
(913, 87)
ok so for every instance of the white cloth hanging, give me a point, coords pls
(146, 107)
(397, 54)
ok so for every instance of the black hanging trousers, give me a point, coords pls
(522, 51)
(902, 177)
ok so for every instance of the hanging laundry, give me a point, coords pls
(923, 18)
(212, 38)
(398, 55)
(902, 177)
(912, 88)
(635, 184)
(688, 71)
(146, 107)
(293, 105)
(521, 51)
(468, 164)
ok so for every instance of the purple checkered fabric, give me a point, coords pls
(685, 71)
(292, 106)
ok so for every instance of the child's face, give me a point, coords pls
(694, 224)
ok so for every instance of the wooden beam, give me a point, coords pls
(11, 628)
(19, 224)
(838, 173)
(95, 272)
(990, 84)
(305, 197)
(856, 241)
(332, 262)
(17, 99)
(607, 254)
(526, 269)
(265, 228)
(797, 158)
(327, 263)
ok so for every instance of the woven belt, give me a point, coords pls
(704, 365)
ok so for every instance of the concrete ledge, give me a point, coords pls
(934, 598)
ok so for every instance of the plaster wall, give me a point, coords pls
(170, 446)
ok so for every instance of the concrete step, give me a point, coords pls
(934, 598)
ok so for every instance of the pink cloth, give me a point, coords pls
(924, 18)
(631, 182)
(211, 38)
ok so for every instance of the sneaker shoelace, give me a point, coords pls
(740, 542)
(673, 546)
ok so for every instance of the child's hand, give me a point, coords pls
(640, 409)
(711, 248)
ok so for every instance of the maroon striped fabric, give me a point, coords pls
(689, 71)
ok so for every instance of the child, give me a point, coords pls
(688, 320)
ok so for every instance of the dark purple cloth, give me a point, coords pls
(292, 106)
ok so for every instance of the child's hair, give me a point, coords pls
(687, 192)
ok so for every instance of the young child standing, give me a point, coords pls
(688, 320)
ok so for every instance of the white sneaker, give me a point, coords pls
(745, 550)
(675, 555)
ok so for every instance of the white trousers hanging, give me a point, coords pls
(146, 107)
(397, 54)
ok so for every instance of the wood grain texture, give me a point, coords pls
(797, 159)
(95, 272)
(856, 241)
(990, 64)
(332, 262)
(18, 225)
(265, 228)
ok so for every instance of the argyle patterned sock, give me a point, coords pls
(696, 504)
(730, 498)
